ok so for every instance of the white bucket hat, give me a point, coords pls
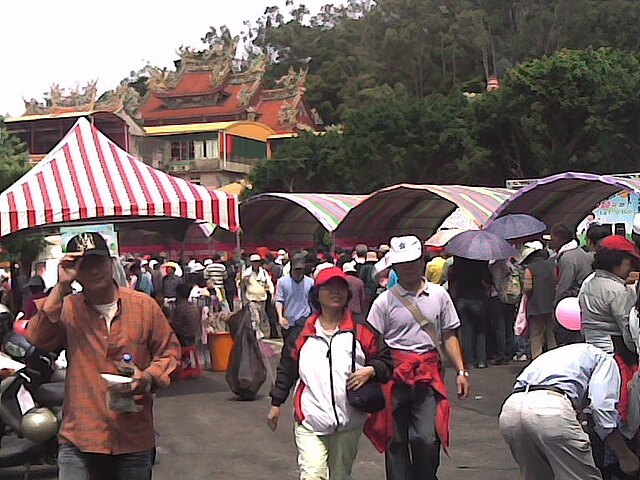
(528, 249)
(404, 249)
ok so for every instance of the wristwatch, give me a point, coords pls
(463, 373)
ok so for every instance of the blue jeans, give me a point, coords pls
(473, 330)
(76, 465)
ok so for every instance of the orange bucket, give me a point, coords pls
(220, 346)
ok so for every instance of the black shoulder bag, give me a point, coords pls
(369, 397)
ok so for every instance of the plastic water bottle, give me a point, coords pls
(126, 367)
(115, 400)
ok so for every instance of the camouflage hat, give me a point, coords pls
(89, 243)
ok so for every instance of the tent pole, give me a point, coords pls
(183, 250)
(238, 246)
(334, 239)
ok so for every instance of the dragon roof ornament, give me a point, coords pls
(293, 81)
(218, 59)
(84, 99)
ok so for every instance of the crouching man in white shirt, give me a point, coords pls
(538, 421)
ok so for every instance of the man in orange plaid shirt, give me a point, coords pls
(97, 327)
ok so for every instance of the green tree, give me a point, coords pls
(332, 46)
(13, 157)
(573, 110)
(13, 164)
(398, 138)
(391, 138)
(303, 164)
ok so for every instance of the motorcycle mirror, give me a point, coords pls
(15, 351)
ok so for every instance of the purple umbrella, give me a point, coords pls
(516, 225)
(479, 245)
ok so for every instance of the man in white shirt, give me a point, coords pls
(256, 282)
(538, 421)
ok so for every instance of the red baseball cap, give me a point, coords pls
(330, 273)
(618, 242)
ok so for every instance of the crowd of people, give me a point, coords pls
(587, 377)
(362, 327)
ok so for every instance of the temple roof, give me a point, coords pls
(205, 88)
(60, 102)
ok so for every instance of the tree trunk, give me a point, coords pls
(442, 56)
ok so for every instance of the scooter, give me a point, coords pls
(30, 411)
(27, 431)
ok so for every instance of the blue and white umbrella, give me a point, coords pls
(516, 225)
(479, 245)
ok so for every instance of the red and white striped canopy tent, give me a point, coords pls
(87, 176)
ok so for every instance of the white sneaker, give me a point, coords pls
(522, 358)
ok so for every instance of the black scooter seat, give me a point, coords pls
(50, 394)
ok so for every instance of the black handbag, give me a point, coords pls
(369, 397)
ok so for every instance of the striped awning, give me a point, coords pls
(566, 197)
(291, 219)
(87, 176)
(416, 209)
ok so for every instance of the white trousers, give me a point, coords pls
(321, 457)
(545, 437)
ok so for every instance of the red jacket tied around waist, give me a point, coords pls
(411, 369)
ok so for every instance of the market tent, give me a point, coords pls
(416, 209)
(290, 220)
(566, 197)
(88, 177)
(458, 220)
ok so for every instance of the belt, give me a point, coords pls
(533, 388)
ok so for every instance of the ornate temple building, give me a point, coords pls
(44, 123)
(206, 121)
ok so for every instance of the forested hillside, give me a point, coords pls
(405, 80)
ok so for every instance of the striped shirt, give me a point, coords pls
(217, 273)
(186, 321)
(139, 328)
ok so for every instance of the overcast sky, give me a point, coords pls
(70, 42)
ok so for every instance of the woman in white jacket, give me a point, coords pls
(327, 427)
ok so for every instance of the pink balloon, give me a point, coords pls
(568, 313)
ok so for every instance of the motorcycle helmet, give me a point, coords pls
(17, 346)
(20, 326)
(39, 424)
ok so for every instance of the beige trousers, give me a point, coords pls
(540, 332)
(259, 318)
(545, 437)
(322, 457)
